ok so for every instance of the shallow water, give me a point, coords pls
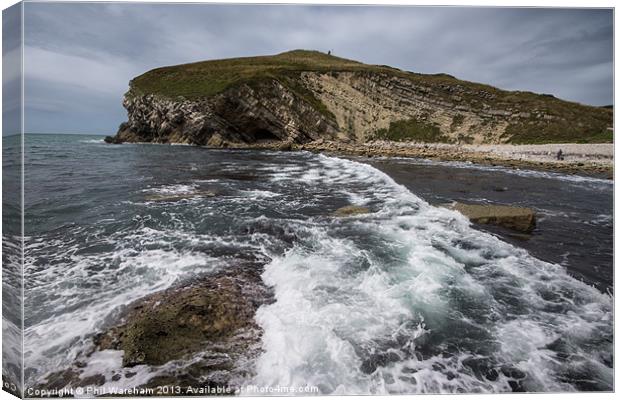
(409, 298)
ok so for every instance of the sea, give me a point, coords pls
(408, 298)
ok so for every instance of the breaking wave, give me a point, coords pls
(411, 299)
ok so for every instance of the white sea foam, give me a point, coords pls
(260, 194)
(178, 189)
(92, 141)
(353, 316)
(83, 290)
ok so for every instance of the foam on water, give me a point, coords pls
(11, 309)
(178, 189)
(260, 194)
(84, 274)
(93, 141)
(418, 301)
(80, 291)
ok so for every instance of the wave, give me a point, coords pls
(92, 141)
(411, 299)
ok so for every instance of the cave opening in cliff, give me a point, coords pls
(264, 135)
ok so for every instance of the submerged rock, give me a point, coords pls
(113, 140)
(348, 211)
(517, 218)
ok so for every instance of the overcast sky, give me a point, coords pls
(80, 57)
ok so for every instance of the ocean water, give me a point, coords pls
(410, 298)
(574, 213)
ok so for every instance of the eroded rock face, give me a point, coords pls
(267, 112)
(356, 106)
(520, 219)
(365, 102)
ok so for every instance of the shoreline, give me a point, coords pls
(595, 160)
(592, 160)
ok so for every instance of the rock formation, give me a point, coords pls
(303, 96)
(207, 322)
(517, 218)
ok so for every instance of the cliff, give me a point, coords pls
(302, 96)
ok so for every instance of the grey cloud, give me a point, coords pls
(72, 111)
(11, 71)
(86, 53)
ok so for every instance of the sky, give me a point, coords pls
(79, 58)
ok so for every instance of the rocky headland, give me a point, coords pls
(311, 100)
(302, 96)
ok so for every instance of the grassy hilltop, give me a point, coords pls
(517, 116)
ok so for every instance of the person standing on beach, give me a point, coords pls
(560, 155)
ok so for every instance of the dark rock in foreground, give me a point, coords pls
(180, 321)
(208, 323)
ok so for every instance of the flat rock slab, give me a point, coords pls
(520, 219)
(348, 211)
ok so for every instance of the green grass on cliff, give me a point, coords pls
(563, 122)
(571, 122)
(560, 132)
(411, 130)
(208, 78)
